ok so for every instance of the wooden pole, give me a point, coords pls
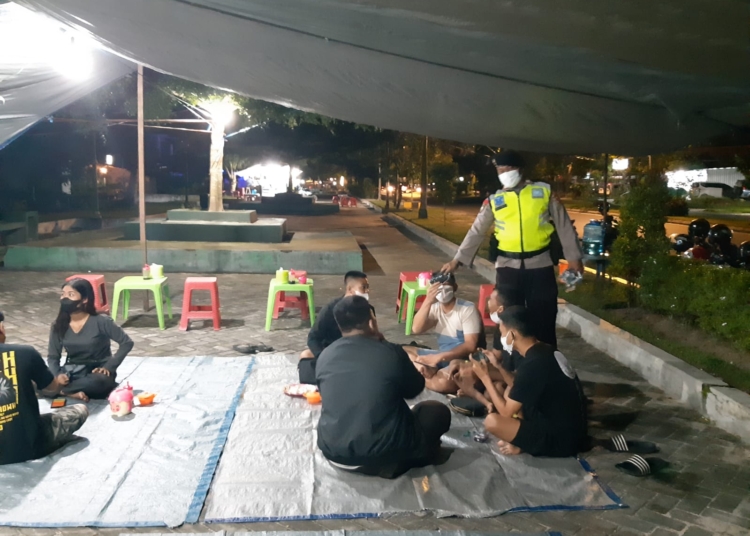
(605, 207)
(142, 178)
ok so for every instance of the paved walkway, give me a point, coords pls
(706, 492)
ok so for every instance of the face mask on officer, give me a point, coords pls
(510, 179)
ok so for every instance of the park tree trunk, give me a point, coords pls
(423, 182)
(216, 192)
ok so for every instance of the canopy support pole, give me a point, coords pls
(142, 178)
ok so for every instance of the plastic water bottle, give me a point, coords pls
(593, 239)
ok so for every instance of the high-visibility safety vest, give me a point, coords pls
(522, 226)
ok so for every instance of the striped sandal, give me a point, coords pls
(638, 466)
(618, 443)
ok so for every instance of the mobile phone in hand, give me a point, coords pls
(479, 356)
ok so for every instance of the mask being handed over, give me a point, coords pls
(510, 179)
(445, 295)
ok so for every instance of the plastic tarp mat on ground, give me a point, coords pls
(542, 75)
(151, 470)
(272, 470)
(356, 533)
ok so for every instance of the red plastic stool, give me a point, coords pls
(403, 277)
(352, 202)
(284, 302)
(200, 312)
(101, 303)
(335, 200)
(484, 294)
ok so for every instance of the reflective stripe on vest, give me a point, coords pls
(522, 225)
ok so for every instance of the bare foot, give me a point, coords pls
(508, 449)
(80, 395)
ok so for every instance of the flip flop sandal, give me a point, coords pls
(467, 406)
(638, 466)
(618, 443)
(262, 348)
(245, 349)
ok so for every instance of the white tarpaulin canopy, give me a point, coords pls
(43, 68)
(548, 75)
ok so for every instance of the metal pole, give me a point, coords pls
(606, 183)
(423, 199)
(142, 178)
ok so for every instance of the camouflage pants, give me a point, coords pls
(57, 428)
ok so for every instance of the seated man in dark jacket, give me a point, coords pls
(24, 433)
(365, 424)
(325, 330)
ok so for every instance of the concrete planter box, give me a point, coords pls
(235, 216)
(271, 230)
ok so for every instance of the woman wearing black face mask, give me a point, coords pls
(86, 337)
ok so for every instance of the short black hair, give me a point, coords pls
(518, 318)
(2, 317)
(354, 274)
(352, 312)
(502, 298)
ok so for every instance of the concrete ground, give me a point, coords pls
(706, 491)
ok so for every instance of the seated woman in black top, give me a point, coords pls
(543, 410)
(86, 337)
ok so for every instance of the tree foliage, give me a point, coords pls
(642, 236)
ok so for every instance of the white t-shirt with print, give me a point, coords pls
(462, 320)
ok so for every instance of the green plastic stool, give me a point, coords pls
(410, 291)
(277, 286)
(158, 286)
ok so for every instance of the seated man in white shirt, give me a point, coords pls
(459, 328)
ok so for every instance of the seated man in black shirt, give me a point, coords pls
(325, 330)
(24, 434)
(542, 411)
(365, 424)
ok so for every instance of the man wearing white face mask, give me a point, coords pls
(525, 216)
(457, 324)
(543, 409)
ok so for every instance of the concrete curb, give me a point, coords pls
(727, 408)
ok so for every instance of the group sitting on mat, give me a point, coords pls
(528, 390)
(89, 372)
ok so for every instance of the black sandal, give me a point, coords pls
(467, 406)
(618, 443)
(248, 349)
(638, 466)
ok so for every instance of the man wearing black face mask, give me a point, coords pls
(24, 433)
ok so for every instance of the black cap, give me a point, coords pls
(508, 158)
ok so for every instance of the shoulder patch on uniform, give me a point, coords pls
(499, 201)
(486, 201)
(537, 193)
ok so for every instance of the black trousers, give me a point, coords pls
(96, 386)
(434, 420)
(537, 290)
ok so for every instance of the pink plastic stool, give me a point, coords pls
(200, 312)
(101, 303)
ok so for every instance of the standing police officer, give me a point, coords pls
(523, 214)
